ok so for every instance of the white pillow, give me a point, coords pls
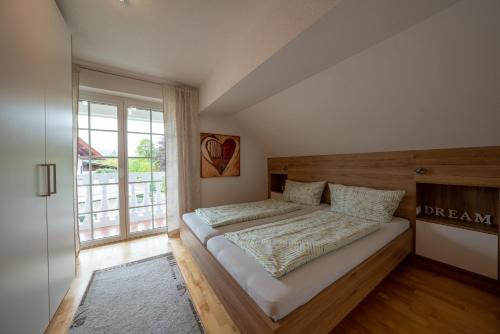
(308, 193)
(366, 203)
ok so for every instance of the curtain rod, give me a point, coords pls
(132, 78)
(119, 75)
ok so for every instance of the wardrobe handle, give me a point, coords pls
(47, 175)
(54, 178)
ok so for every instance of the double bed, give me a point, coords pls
(316, 296)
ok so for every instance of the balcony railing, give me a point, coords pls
(105, 199)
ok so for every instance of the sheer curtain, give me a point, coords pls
(180, 106)
(76, 92)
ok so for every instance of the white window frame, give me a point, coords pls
(122, 103)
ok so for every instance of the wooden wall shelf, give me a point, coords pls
(469, 199)
(472, 181)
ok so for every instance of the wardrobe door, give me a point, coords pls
(23, 231)
(59, 157)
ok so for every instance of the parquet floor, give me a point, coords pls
(410, 300)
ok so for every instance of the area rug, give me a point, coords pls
(146, 296)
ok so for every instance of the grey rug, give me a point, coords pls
(146, 296)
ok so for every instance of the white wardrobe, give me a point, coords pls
(37, 245)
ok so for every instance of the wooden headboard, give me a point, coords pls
(395, 170)
(391, 170)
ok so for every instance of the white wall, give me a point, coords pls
(434, 85)
(251, 185)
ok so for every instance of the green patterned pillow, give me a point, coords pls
(366, 203)
(308, 193)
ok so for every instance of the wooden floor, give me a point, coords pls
(413, 300)
(410, 300)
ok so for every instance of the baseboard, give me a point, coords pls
(464, 276)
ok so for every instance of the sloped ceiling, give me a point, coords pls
(346, 28)
(238, 52)
(434, 85)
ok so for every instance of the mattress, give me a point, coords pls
(279, 297)
(204, 232)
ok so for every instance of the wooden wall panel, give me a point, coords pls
(478, 166)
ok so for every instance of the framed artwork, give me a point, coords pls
(220, 155)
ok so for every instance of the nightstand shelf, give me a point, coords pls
(277, 182)
(458, 225)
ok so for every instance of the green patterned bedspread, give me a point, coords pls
(288, 244)
(241, 212)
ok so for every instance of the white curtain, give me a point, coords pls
(180, 106)
(76, 92)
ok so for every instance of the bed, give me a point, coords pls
(258, 303)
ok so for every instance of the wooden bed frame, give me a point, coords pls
(387, 170)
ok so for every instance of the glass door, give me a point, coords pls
(121, 170)
(98, 182)
(145, 170)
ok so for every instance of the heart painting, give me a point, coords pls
(220, 155)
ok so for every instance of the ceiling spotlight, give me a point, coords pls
(123, 1)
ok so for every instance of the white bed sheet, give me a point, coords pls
(279, 297)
